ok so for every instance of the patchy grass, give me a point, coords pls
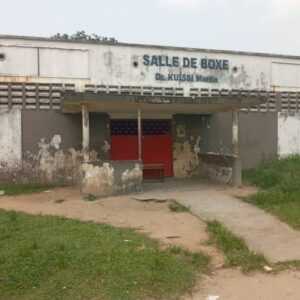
(175, 206)
(56, 258)
(235, 249)
(289, 265)
(198, 260)
(279, 181)
(14, 189)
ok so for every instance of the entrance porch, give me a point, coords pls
(167, 130)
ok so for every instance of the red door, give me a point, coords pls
(124, 140)
(124, 147)
(158, 149)
(156, 142)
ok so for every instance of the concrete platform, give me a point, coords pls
(262, 232)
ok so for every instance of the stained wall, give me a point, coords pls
(42, 60)
(10, 141)
(46, 145)
(288, 134)
(257, 135)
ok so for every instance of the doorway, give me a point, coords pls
(156, 142)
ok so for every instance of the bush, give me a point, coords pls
(280, 184)
(283, 173)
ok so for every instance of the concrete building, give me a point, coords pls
(106, 115)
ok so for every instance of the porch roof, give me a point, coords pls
(112, 101)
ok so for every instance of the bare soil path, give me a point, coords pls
(233, 285)
(154, 219)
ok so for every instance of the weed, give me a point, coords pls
(280, 194)
(235, 249)
(174, 206)
(14, 189)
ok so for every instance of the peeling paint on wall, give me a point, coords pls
(51, 146)
(180, 131)
(186, 149)
(106, 147)
(240, 79)
(108, 178)
(288, 134)
(217, 167)
(262, 82)
(186, 146)
(10, 140)
(52, 164)
(186, 161)
(130, 178)
(197, 146)
(217, 173)
(97, 180)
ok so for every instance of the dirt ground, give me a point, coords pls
(156, 220)
(228, 284)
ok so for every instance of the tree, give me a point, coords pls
(83, 36)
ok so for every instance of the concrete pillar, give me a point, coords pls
(237, 165)
(85, 132)
(139, 116)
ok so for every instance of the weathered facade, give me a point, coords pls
(95, 114)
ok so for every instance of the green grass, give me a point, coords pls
(176, 207)
(14, 189)
(55, 258)
(283, 173)
(237, 254)
(235, 249)
(279, 182)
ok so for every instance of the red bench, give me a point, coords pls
(154, 171)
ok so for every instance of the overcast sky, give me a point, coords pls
(250, 25)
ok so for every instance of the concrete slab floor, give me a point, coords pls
(262, 232)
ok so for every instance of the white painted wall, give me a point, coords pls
(286, 75)
(62, 63)
(288, 134)
(10, 137)
(19, 61)
(114, 65)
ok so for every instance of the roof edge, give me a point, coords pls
(155, 46)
